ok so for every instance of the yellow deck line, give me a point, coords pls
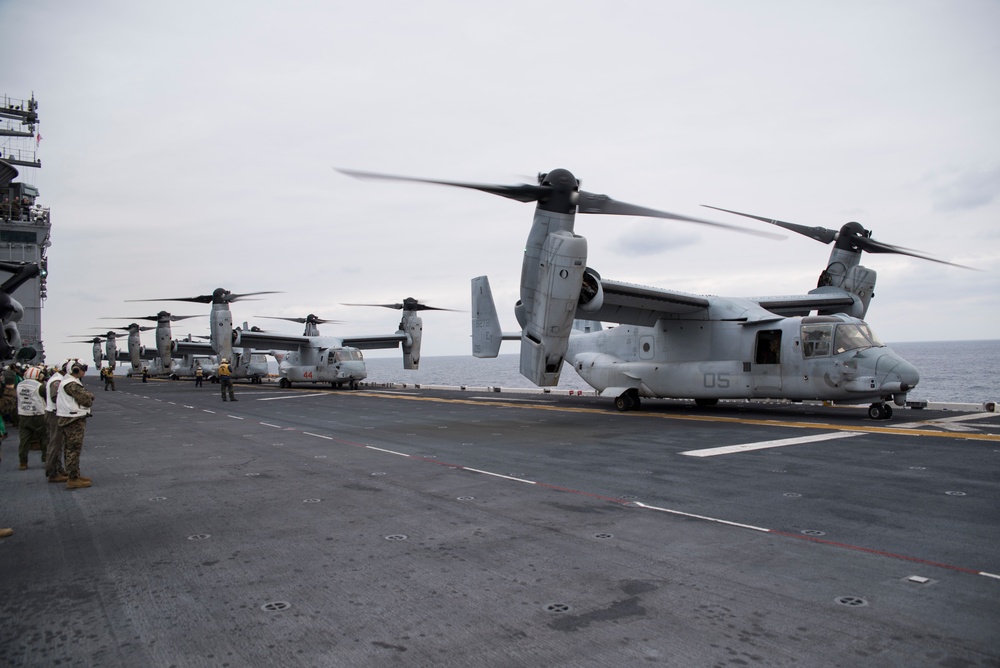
(897, 431)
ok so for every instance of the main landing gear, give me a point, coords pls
(880, 411)
(629, 401)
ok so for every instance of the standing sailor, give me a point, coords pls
(31, 415)
(54, 469)
(226, 379)
(73, 408)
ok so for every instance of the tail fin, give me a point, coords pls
(486, 333)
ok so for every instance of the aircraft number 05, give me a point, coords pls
(717, 380)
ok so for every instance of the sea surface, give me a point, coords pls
(950, 371)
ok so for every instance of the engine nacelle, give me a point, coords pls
(555, 296)
(413, 327)
(591, 291)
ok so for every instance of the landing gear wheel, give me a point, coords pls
(284, 383)
(628, 401)
(879, 412)
(354, 385)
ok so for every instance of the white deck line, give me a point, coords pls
(763, 445)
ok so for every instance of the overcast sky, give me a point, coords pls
(191, 145)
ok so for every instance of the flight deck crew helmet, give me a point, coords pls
(32, 373)
(223, 361)
(76, 365)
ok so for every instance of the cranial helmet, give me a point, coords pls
(32, 373)
(224, 361)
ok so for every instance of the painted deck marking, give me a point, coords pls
(297, 395)
(309, 433)
(391, 452)
(763, 445)
(498, 475)
(702, 517)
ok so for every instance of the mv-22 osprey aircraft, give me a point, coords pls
(338, 360)
(162, 359)
(311, 358)
(680, 345)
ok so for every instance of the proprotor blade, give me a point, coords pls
(523, 192)
(410, 304)
(602, 204)
(173, 318)
(309, 318)
(873, 246)
(850, 235)
(820, 234)
(218, 296)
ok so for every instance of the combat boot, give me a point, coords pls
(77, 483)
(59, 477)
(23, 466)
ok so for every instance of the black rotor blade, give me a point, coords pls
(235, 298)
(825, 235)
(873, 246)
(523, 192)
(602, 204)
(152, 317)
(413, 305)
(202, 299)
(821, 234)
(301, 321)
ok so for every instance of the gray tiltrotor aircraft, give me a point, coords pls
(223, 337)
(312, 358)
(679, 345)
(166, 347)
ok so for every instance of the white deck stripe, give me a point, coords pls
(309, 433)
(702, 517)
(763, 445)
(298, 395)
(497, 475)
(391, 452)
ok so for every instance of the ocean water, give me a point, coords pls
(950, 371)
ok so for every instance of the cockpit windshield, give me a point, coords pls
(824, 339)
(347, 355)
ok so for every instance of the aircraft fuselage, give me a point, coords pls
(835, 358)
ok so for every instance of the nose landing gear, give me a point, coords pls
(880, 411)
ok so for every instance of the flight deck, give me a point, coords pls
(415, 526)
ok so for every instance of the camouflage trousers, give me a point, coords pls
(31, 429)
(54, 455)
(72, 444)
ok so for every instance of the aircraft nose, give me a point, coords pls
(899, 371)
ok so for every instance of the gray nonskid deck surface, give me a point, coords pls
(436, 528)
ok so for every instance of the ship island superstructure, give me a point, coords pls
(25, 225)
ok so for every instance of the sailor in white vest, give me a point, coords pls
(54, 469)
(73, 403)
(31, 414)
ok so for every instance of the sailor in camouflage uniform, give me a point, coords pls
(54, 469)
(73, 404)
